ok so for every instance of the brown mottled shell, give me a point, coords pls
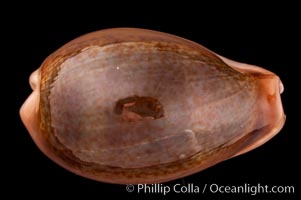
(140, 106)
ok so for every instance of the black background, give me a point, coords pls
(259, 36)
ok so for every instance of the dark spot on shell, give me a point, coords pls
(143, 107)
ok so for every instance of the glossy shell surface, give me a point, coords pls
(139, 106)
